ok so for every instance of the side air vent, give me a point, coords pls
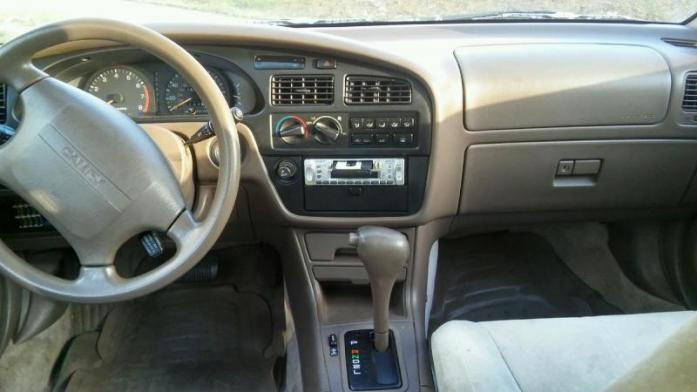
(683, 43)
(376, 90)
(302, 90)
(689, 99)
(26, 217)
(3, 103)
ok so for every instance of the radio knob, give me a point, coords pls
(291, 129)
(326, 130)
(286, 170)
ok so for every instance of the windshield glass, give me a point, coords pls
(18, 16)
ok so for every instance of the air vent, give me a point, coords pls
(3, 103)
(689, 99)
(302, 90)
(683, 43)
(375, 90)
(26, 217)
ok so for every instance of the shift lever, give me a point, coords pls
(384, 252)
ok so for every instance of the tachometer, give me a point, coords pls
(123, 88)
(181, 98)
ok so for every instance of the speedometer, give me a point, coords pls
(123, 88)
(181, 98)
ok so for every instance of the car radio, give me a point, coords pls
(354, 171)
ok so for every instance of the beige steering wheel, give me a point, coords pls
(97, 176)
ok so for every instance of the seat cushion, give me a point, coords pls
(560, 354)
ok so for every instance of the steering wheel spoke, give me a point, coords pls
(183, 228)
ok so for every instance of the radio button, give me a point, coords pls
(399, 175)
(309, 175)
(356, 123)
(362, 139)
(408, 122)
(382, 138)
(403, 139)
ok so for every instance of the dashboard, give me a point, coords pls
(486, 115)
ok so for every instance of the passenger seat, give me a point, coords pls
(641, 352)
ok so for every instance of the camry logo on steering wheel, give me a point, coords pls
(83, 166)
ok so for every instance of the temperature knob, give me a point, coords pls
(326, 130)
(292, 129)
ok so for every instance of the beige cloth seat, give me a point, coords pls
(642, 352)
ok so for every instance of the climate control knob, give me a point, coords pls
(291, 129)
(326, 129)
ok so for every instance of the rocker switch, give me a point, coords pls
(333, 346)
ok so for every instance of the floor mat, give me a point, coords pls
(504, 276)
(584, 248)
(184, 339)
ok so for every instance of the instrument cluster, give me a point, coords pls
(147, 90)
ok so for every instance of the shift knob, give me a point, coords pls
(384, 252)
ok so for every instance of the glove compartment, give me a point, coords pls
(558, 176)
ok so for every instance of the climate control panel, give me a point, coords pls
(374, 130)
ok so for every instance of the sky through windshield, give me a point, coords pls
(18, 16)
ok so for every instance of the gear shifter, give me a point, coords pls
(384, 252)
(371, 355)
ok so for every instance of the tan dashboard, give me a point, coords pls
(507, 85)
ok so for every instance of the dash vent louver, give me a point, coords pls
(302, 90)
(683, 43)
(26, 217)
(689, 99)
(376, 90)
(3, 103)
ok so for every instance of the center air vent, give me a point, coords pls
(376, 90)
(302, 90)
(3, 104)
(689, 99)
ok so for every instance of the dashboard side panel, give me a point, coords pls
(549, 85)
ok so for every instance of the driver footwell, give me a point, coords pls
(184, 339)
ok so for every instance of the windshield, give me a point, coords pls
(18, 16)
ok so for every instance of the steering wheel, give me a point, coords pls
(97, 177)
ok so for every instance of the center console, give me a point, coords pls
(350, 140)
(350, 163)
(341, 138)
